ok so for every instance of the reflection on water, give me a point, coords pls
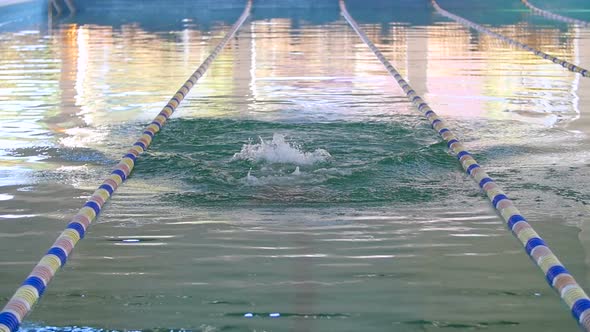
(382, 232)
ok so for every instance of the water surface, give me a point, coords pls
(295, 178)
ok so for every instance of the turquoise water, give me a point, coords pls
(295, 178)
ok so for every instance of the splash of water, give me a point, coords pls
(280, 151)
(251, 179)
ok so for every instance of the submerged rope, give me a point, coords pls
(553, 16)
(556, 274)
(565, 64)
(33, 287)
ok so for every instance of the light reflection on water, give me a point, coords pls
(387, 234)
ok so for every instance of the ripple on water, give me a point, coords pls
(300, 187)
(298, 163)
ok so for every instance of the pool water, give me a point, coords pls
(295, 188)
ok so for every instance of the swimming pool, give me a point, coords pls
(295, 178)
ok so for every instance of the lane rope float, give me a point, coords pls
(555, 273)
(553, 16)
(34, 285)
(565, 64)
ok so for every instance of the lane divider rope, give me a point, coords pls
(34, 285)
(553, 16)
(556, 274)
(565, 64)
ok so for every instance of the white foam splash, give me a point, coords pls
(251, 179)
(281, 152)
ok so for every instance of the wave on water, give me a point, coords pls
(207, 162)
(280, 178)
(279, 151)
